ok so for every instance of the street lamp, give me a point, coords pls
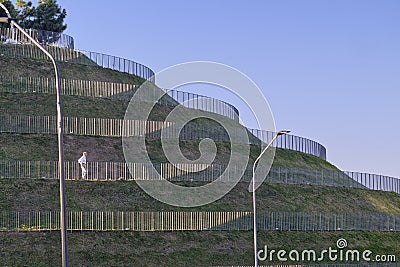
(63, 220)
(254, 194)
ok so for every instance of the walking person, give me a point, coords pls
(83, 162)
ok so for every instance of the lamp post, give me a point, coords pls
(63, 219)
(254, 194)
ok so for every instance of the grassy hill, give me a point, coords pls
(36, 195)
(25, 67)
(44, 147)
(103, 149)
(177, 249)
(108, 148)
(155, 248)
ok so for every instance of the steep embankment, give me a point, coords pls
(42, 195)
(25, 67)
(181, 248)
(194, 248)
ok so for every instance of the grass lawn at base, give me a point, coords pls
(178, 248)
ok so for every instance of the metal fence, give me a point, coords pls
(80, 126)
(14, 36)
(86, 88)
(120, 91)
(205, 103)
(375, 181)
(79, 57)
(99, 89)
(198, 221)
(292, 142)
(119, 64)
(111, 171)
(151, 129)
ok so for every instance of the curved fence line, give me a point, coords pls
(151, 129)
(14, 36)
(112, 171)
(78, 57)
(120, 91)
(205, 103)
(61, 46)
(80, 126)
(198, 221)
(71, 87)
(292, 142)
(89, 58)
(119, 64)
(375, 181)
(188, 99)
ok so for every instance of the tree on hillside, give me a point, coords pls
(25, 13)
(47, 16)
(20, 3)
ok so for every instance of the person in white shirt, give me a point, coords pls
(82, 161)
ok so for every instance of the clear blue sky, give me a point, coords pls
(329, 69)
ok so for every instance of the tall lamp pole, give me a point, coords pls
(254, 194)
(63, 219)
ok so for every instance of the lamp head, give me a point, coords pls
(5, 20)
(283, 132)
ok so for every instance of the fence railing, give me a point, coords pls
(124, 65)
(119, 64)
(61, 46)
(120, 91)
(43, 85)
(111, 171)
(78, 57)
(292, 142)
(198, 221)
(81, 126)
(200, 102)
(14, 36)
(151, 129)
(375, 181)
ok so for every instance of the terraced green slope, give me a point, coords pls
(41, 147)
(25, 67)
(73, 106)
(45, 105)
(177, 249)
(42, 195)
(157, 248)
